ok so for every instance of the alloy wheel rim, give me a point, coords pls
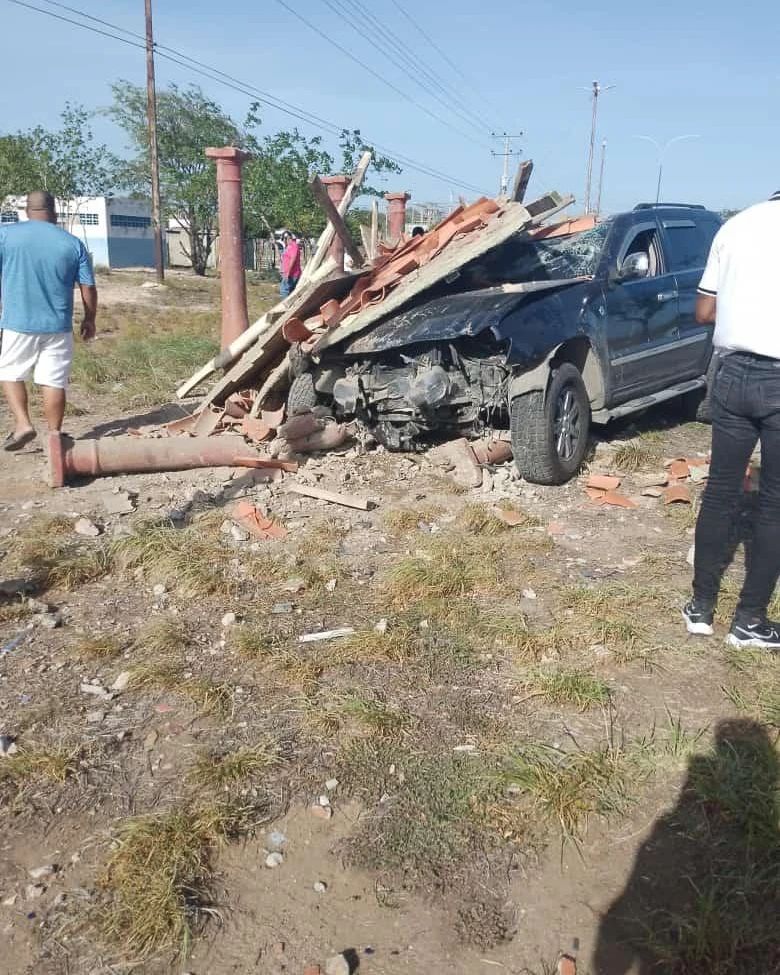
(567, 424)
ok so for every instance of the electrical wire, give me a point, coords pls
(445, 57)
(393, 49)
(366, 67)
(214, 74)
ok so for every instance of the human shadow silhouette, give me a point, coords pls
(704, 894)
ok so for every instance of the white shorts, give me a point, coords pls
(44, 357)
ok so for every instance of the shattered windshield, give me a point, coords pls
(524, 259)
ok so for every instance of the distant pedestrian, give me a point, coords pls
(291, 264)
(418, 231)
(40, 265)
(739, 293)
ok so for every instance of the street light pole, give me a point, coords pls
(601, 176)
(596, 90)
(661, 150)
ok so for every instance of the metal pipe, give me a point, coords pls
(235, 317)
(135, 455)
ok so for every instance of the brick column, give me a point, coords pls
(337, 188)
(235, 318)
(396, 215)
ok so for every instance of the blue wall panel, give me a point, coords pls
(131, 251)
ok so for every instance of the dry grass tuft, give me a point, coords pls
(402, 521)
(192, 560)
(252, 641)
(158, 879)
(447, 569)
(161, 637)
(575, 687)
(55, 558)
(243, 765)
(97, 648)
(211, 697)
(479, 519)
(569, 787)
(40, 763)
(636, 455)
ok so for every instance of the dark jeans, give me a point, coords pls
(745, 409)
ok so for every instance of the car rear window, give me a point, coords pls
(688, 243)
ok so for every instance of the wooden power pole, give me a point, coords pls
(151, 115)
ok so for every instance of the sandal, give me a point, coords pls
(14, 442)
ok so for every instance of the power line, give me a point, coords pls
(394, 48)
(443, 54)
(214, 74)
(385, 81)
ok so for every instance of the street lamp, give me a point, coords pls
(661, 150)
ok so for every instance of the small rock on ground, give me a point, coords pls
(337, 965)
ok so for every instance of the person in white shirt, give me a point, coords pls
(739, 293)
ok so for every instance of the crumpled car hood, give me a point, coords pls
(466, 314)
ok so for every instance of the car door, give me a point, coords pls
(687, 245)
(641, 316)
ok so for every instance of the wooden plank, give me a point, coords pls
(265, 323)
(327, 235)
(374, 229)
(347, 500)
(365, 235)
(524, 171)
(336, 220)
(458, 253)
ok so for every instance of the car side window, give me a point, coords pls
(645, 241)
(688, 244)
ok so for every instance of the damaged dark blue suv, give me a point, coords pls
(545, 336)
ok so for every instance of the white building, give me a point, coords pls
(117, 231)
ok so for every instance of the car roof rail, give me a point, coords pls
(672, 206)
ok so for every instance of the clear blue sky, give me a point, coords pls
(677, 68)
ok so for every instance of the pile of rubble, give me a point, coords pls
(250, 399)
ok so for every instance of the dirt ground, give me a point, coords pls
(519, 753)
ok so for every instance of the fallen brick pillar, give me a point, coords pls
(134, 455)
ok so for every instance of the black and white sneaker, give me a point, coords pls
(764, 634)
(698, 618)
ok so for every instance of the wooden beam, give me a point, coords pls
(327, 235)
(515, 218)
(374, 229)
(524, 171)
(264, 324)
(336, 220)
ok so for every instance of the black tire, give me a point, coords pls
(302, 396)
(534, 418)
(698, 404)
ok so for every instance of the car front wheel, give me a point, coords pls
(550, 431)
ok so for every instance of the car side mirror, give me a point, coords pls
(633, 267)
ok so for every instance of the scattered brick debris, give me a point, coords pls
(256, 523)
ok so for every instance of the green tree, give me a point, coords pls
(188, 122)
(67, 162)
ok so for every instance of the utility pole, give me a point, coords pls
(601, 176)
(151, 115)
(507, 154)
(596, 90)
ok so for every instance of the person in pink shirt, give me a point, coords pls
(291, 265)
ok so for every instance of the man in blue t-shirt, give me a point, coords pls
(40, 265)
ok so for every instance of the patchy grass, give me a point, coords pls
(756, 687)
(397, 644)
(447, 569)
(479, 519)
(569, 787)
(576, 687)
(423, 814)
(374, 714)
(218, 771)
(158, 878)
(191, 560)
(161, 637)
(402, 521)
(252, 641)
(55, 557)
(682, 516)
(210, 697)
(40, 539)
